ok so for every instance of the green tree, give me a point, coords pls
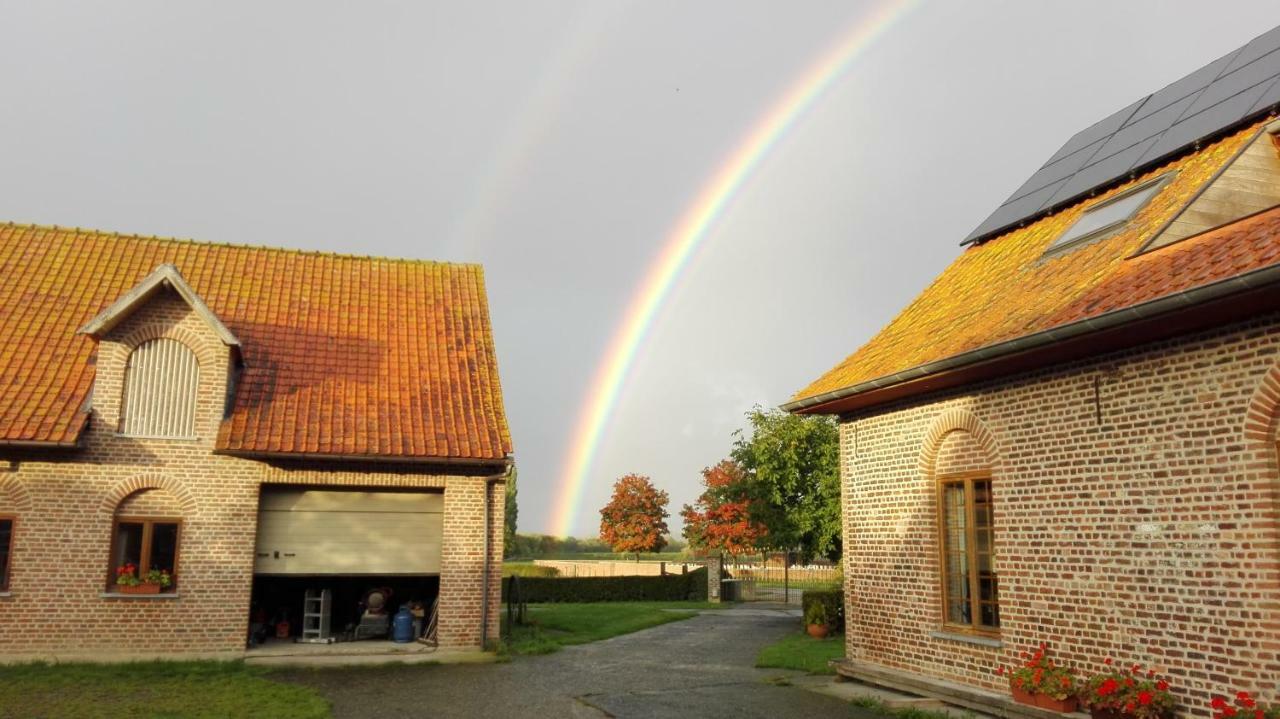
(793, 465)
(509, 517)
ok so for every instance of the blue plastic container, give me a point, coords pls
(402, 626)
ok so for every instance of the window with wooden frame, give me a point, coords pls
(970, 590)
(147, 545)
(6, 550)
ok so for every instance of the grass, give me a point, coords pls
(557, 625)
(528, 569)
(803, 652)
(797, 585)
(152, 689)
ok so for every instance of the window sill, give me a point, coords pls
(6, 593)
(992, 642)
(148, 597)
(150, 437)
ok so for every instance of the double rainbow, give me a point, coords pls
(683, 242)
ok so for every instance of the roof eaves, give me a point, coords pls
(504, 461)
(1251, 280)
(165, 275)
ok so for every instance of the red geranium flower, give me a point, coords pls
(1144, 697)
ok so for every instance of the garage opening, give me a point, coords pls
(336, 565)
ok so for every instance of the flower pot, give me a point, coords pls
(817, 631)
(1066, 706)
(1097, 712)
(138, 588)
(1021, 696)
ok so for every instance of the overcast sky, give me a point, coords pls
(557, 143)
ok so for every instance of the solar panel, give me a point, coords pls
(1238, 87)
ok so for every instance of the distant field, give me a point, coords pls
(527, 569)
(566, 556)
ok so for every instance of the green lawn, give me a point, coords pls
(152, 689)
(552, 626)
(803, 652)
(527, 569)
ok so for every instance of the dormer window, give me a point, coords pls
(160, 390)
(1110, 216)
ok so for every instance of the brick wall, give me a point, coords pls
(1135, 509)
(65, 503)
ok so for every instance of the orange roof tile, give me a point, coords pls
(1005, 288)
(343, 355)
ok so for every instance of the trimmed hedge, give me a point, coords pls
(832, 599)
(669, 588)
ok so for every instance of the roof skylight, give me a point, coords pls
(1109, 216)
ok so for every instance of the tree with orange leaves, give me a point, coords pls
(635, 519)
(720, 518)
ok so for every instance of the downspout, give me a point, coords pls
(488, 530)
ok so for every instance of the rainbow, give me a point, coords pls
(683, 242)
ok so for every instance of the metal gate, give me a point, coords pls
(776, 578)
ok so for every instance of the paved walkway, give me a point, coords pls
(699, 667)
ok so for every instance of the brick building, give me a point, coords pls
(1071, 435)
(252, 422)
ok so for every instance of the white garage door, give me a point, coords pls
(337, 532)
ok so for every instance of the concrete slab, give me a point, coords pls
(851, 690)
(700, 667)
(290, 653)
(443, 656)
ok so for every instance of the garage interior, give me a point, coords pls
(337, 565)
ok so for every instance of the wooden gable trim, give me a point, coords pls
(164, 276)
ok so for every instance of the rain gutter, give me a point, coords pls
(505, 461)
(36, 444)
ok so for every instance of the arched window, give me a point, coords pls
(160, 390)
(966, 533)
(6, 549)
(144, 544)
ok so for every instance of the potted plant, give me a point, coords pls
(815, 620)
(128, 581)
(1127, 694)
(1244, 707)
(1042, 682)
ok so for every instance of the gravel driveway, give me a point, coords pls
(699, 667)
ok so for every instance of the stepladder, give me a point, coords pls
(317, 605)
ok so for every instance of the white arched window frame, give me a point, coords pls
(160, 390)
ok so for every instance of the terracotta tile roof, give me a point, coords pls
(1005, 288)
(343, 355)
